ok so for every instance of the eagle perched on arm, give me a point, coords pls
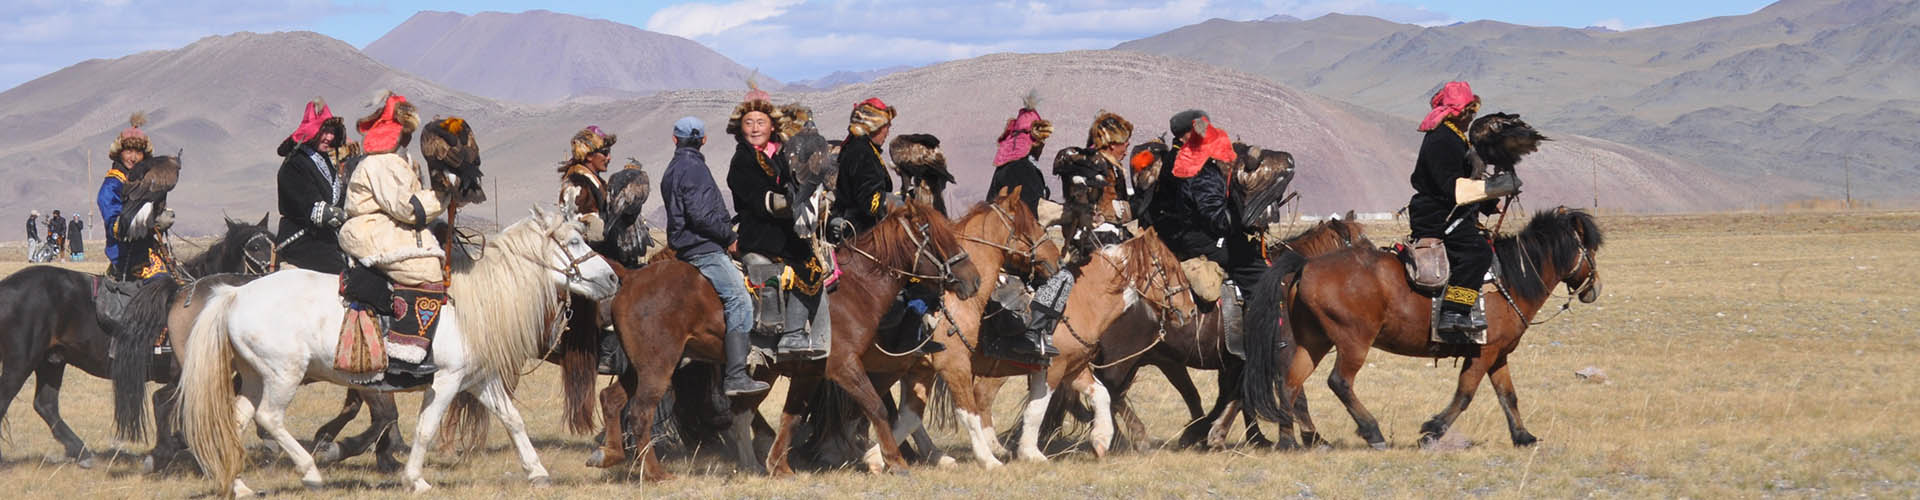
(627, 193)
(1261, 183)
(145, 193)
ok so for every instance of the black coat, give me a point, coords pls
(1023, 173)
(302, 182)
(1193, 214)
(697, 219)
(33, 228)
(863, 178)
(56, 228)
(76, 236)
(1442, 160)
(760, 230)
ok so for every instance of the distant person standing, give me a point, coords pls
(33, 234)
(76, 239)
(57, 232)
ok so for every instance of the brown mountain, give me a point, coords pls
(1840, 71)
(541, 57)
(229, 100)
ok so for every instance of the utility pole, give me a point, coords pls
(1595, 169)
(1849, 189)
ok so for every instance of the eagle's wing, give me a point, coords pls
(1262, 182)
(154, 177)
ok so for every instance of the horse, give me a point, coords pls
(55, 323)
(912, 246)
(283, 329)
(1357, 299)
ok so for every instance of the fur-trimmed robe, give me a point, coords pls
(379, 231)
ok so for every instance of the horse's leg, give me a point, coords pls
(1197, 431)
(1305, 359)
(985, 390)
(1233, 369)
(1346, 365)
(492, 393)
(324, 449)
(799, 390)
(46, 402)
(1039, 394)
(853, 378)
(972, 414)
(648, 390)
(276, 392)
(1470, 374)
(743, 411)
(168, 443)
(613, 404)
(1509, 402)
(1182, 382)
(1102, 433)
(432, 410)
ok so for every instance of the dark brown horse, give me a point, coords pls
(669, 310)
(1358, 299)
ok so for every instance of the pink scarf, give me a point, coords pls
(1017, 140)
(770, 148)
(1449, 102)
(310, 122)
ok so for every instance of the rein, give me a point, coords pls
(1013, 237)
(920, 252)
(1585, 260)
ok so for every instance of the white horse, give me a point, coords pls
(284, 329)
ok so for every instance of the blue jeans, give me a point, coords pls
(732, 287)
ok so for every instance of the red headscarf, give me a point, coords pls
(310, 122)
(1196, 148)
(383, 135)
(1016, 141)
(1449, 102)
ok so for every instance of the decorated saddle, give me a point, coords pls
(789, 303)
(388, 330)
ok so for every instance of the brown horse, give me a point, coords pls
(658, 325)
(1357, 299)
(1140, 271)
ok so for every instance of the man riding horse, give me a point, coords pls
(778, 260)
(133, 231)
(700, 232)
(1448, 200)
(1195, 213)
(861, 199)
(388, 211)
(583, 191)
(312, 193)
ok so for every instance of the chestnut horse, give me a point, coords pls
(1357, 299)
(913, 246)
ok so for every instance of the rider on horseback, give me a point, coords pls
(388, 211)
(132, 244)
(1434, 213)
(312, 193)
(698, 230)
(1015, 162)
(862, 197)
(761, 182)
(1195, 214)
(582, 191)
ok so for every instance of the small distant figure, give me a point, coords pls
(57, 233)
(76, 239)
(33, 236)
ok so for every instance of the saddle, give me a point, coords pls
(788, 308)
(1427, 273)
(387, 328)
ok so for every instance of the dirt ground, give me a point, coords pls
(1745, 355)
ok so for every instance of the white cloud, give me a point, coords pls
(1617, 24)
(700, 19)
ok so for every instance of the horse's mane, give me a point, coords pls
(1553, 237)
(1024, 221)
(500, 323)
(1327, 236)
(215, 258)
(1142, 257)
(890, 243)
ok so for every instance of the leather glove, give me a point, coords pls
(163, 222)
(327, 215)
(839, 230)
(1503, 184)
(419, 212)
(777, 205)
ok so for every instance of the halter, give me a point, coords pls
(1013, 237)
(257, 266)
(1584, 260)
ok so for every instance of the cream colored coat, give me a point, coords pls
(379, 213)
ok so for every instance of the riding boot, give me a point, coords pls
(1233, 315)
(613, 358)
(1049, 304)
(1456, 310)
(737, 382)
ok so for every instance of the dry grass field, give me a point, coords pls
(1746, 355)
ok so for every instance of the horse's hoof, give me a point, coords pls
(146, 465)
(900, 471)
(542, 482)
(326, 452)
(1032, 456)
(84, 463)
(421, 486)
(1524, 439)
(947, 462)
(242, 491)
(313, 484)
(1378, 446)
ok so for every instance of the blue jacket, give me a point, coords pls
(110, 204)
(697, 218)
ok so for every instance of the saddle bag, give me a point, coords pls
(1205, 277)
(769, 298)
(1428, 269)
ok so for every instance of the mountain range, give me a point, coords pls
(1782, 99)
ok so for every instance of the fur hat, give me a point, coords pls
(757, 100)
(391, 125)
(1109, 129)
(585, 142)
(869, 116)
(131, 138)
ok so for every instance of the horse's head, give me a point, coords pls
(1584, 279)
(1152, 273)
(568, 259)
(1562, 242)
(915, 240)
(1327, 236)
(247, 247)
(1009, 226)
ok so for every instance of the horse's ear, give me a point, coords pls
(263, 219)
(1349, 215)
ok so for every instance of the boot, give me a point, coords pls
(613, 358)
(1456, 310)
(737, 382)
(1233, 317)
(1039, 333)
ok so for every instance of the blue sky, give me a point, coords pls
(787, 39)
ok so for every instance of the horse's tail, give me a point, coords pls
(464, 428)
(579, 358)
(145, 318)
(940, 414)
(1269, 341)
(206, 391)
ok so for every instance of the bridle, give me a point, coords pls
(922, 241)
(255, 266)
(1013, 237)
(1585, 260)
